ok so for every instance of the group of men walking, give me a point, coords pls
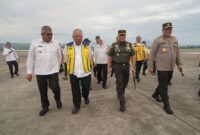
(45, 56)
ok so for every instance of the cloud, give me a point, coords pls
(21, 20)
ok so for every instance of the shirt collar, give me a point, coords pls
(41, 41)
(76, 44)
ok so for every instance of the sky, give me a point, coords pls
(21, 20)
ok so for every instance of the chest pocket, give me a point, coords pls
(117, 49)
(52, 49)
(163, 47)
(175, 46)
(41, 49)
(128, 48)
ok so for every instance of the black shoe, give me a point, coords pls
(87, 101)
(43, 111)
(144, 74)
(168, 110)
(98, 82)
(75, 110)
(59, 104)
(122, 108)
(157, 98)
(169, 83)
(104, 86)
(16, 74)
(138, 80)
(199, 93)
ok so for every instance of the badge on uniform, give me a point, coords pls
(127, 47)
(164, 50)
(117, 47)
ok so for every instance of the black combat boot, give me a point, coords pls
(199, 93)
(167, 107)
(157, 97)
(122, 107)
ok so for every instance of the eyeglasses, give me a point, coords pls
(122, 35)
(48, 34)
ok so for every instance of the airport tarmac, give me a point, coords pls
(20, 105)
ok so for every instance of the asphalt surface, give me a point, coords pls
(20, 105)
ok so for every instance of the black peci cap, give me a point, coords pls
(167, 25)
(120, 32)
(97, 37)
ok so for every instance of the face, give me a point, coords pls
(117, 38)
(78, 36)
(167, 31)
(8, 45)
(138, 39)
(100, 42)
(97, 40)
(121, 37)
(47, 36)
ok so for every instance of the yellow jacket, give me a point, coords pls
(85, 50)
(139, 50)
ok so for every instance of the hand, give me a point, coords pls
(133, 71)
(95, 65)
(151, 70)
(18, 60)
(29, 77)
(180, 68)
(109, 70)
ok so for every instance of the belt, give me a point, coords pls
(123, 64)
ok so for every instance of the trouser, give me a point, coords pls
(65, 69)
(102, 73)
(112, 72)
(53, 82)
(61, 68)
(95, 71)
(122, 78)
(164, 78)
(145, 66)
(76, 92)
(154, 66)
(138, 68)
(10, 65)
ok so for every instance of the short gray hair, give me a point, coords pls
(79, 30)
(46, 28)
(138, 36)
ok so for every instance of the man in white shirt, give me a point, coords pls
(44, 58)
(79, 67)
(11, 58)
(101, 62)
(97, 38)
